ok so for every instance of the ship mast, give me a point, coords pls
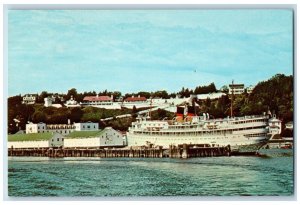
(231, 106)
(150, 108)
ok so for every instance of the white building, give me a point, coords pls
(57, 140)
(54, 140)
(211, 96)
(106, 138)
(101, 102)
(36, 128)
(236, 89)
(138, 102)
(49, 102)
(86, 126)
(110, 137)
(63, 129)
(29, 99)
(250, 89)
(72, 103)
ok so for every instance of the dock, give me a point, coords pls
(181, 151)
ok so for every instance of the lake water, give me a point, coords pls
(270, 175)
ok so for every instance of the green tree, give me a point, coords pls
(38, 117)
(76, 114)
(72, 92)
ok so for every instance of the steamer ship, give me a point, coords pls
(244, 134)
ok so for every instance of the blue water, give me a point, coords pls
(270, 175)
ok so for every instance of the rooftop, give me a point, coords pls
(84, 134)
(29, 137)
(132, 99)
(97, 98)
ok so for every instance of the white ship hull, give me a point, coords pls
(236, 141)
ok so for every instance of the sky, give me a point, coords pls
(145, 50)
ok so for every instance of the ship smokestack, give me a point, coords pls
(180, 113)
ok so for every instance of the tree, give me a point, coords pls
(134, 112)
(225, 89)
(38, 117)
(40, 98)
(72, 92)
(75, 114)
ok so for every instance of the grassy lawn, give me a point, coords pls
(83, 134)
(29, 137)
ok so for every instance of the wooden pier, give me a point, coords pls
(180, 151)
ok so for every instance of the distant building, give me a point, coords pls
(236, 89)
(49, 102)
(250, 89)
(97, 100)
(54, 96)
(72, 103)
(35, 128)
(110, 137)
(138, 102)
(86, 126)
(106, 138)
(29, 99)
(133, 99)
(57, 140)
(63, 129)
(211, 96)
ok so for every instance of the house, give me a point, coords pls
(111, 138)
(138, 102)
(91, 139)
(101, 102)
(133, 99)
(35, 140)
(29, 99)
(86, 126)
(49, 102)
(97, 100)
(57, 140)
(35, 128)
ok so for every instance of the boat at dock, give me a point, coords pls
(242, 134)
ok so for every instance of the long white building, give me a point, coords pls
(105, 138)
(64, 129)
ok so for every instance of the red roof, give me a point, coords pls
(97, 98)
(133, 99)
